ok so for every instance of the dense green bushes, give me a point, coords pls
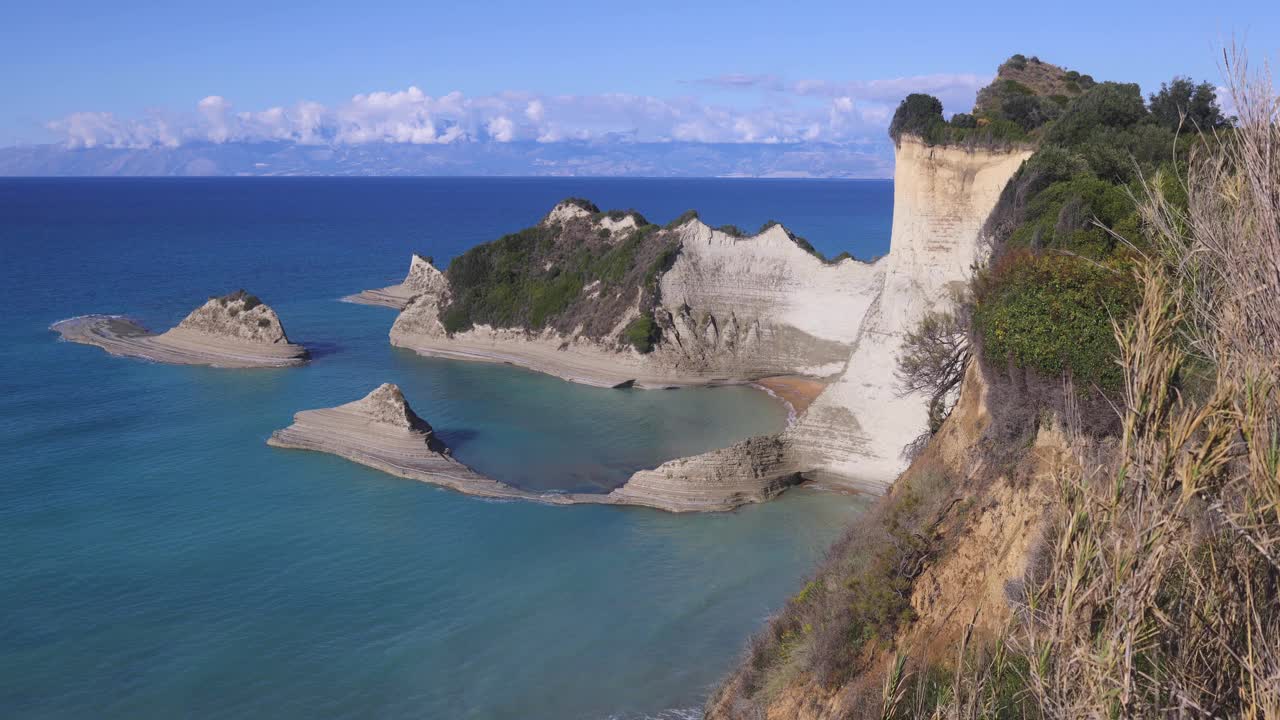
(1065, 229)
(1054, 312)
(572, 276)
(921, 116)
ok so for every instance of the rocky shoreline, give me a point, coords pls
(232, 331)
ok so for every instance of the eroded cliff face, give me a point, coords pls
(730, 309)
(855, 431)
(748, 307)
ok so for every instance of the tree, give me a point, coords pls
(933, 359)
(1183, 102)
(918, 114)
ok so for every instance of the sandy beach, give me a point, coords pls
(797, 391)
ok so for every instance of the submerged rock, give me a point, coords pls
(236, 330)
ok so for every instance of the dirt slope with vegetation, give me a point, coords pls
(1094, 529)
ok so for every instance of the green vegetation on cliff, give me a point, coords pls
(1123, 568)
(558, 275)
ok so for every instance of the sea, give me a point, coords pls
(159, 560)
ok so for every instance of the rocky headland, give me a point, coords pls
(233, 331)
(619, 302)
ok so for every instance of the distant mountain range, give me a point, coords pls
(596, 158)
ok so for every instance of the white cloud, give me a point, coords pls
(786, 112)
(501, 129)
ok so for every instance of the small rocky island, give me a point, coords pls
(233, 331)
(381, 431)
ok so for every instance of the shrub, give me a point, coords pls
(582, 203)
(684, 217)
(1054, 313)
(642, 333)
(1109, 105)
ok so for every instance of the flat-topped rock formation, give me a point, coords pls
(381, 431)
(233, 331)
(423, 277)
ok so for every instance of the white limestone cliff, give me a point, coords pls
(733, 309)
(854, 432)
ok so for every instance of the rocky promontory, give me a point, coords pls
(381, 431)
(609, 299)
(423, 277)
(235, 331)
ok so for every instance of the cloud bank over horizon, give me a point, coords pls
(780, 112)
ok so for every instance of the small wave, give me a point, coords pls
(792, 416)
(671, 714)
(90, 316)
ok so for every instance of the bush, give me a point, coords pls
(1054, 313)
(583, 203)
(642, 333)
(1109, 105)
(684, 217)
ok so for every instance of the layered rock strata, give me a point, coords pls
(855, 431)
(381, 431)
(423, 277)
(232, 331)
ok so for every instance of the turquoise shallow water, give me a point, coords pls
(157, 559)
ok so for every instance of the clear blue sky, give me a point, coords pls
(130, 58)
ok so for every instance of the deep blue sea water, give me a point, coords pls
(158, 560)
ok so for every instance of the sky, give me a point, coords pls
(138, 74)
